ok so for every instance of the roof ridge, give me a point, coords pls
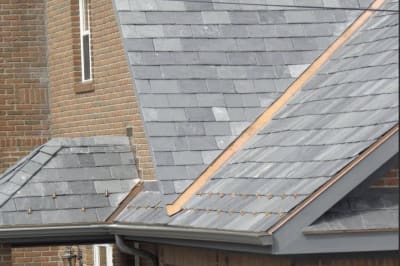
(268, 114)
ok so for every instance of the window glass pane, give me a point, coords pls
(86, 57)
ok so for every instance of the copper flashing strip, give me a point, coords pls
(350, 231)
(131, 195)
(265, 117)
(334, 179)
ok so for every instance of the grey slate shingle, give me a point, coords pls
(65, 175)
(323, 127)
(189, 58)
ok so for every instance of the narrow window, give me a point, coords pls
(85, 40)
(103, 255)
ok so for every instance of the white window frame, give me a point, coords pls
(109, 254)
(84, 33)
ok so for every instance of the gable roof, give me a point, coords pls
(204, 71)
(68, 181)
(348, 107)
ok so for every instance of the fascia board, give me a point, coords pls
(55, 234)
(289, 239)
(62, 234)
(343, 243)
(191, 234)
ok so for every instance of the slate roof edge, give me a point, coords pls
(247, 134)
(53, 234)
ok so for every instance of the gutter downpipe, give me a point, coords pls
(124, 248)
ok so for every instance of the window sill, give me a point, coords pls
(84, 87)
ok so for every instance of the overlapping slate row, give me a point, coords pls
(330, 130)
(205, 71)
(375, 209)
(68, 180)
(339, 113)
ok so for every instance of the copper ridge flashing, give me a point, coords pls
(269, 113)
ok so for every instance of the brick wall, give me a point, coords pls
(49, 255)
(5, 255)
(181, 256)
(24, 107)
(390, 179)
(105, 106)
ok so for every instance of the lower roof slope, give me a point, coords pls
(67, 181)
(340, 112)
(204, 71)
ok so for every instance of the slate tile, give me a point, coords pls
(187, 158)
(192, 86)
(181, 185)
(86, 160)
(127, 158)
(199, 114)
(31, 167)
(116, 198)
(164, 86)
(104, 213)
(69, 216)
(182, 100)
(244, 17)
(215, 17)
(9, 188)
(22, 218)
(171, 172)
(20, 178)
(112, 186)
(190, 129)
(217, 129)
(220, 86)
(160, 129)
(68, 202)
(83, 187)
(220, 114)
(41, 158)
(92, 201)
(107, 159)
(123, 172)
(171, 44)
(132, 17)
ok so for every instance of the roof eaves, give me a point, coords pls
(231, 240)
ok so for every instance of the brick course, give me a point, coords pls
(24, 110)
(105, 106)
(182, 256)
(390, 179)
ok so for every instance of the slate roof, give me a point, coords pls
(350, 103)
(204, 71)
(375, 209)
(68, 180)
